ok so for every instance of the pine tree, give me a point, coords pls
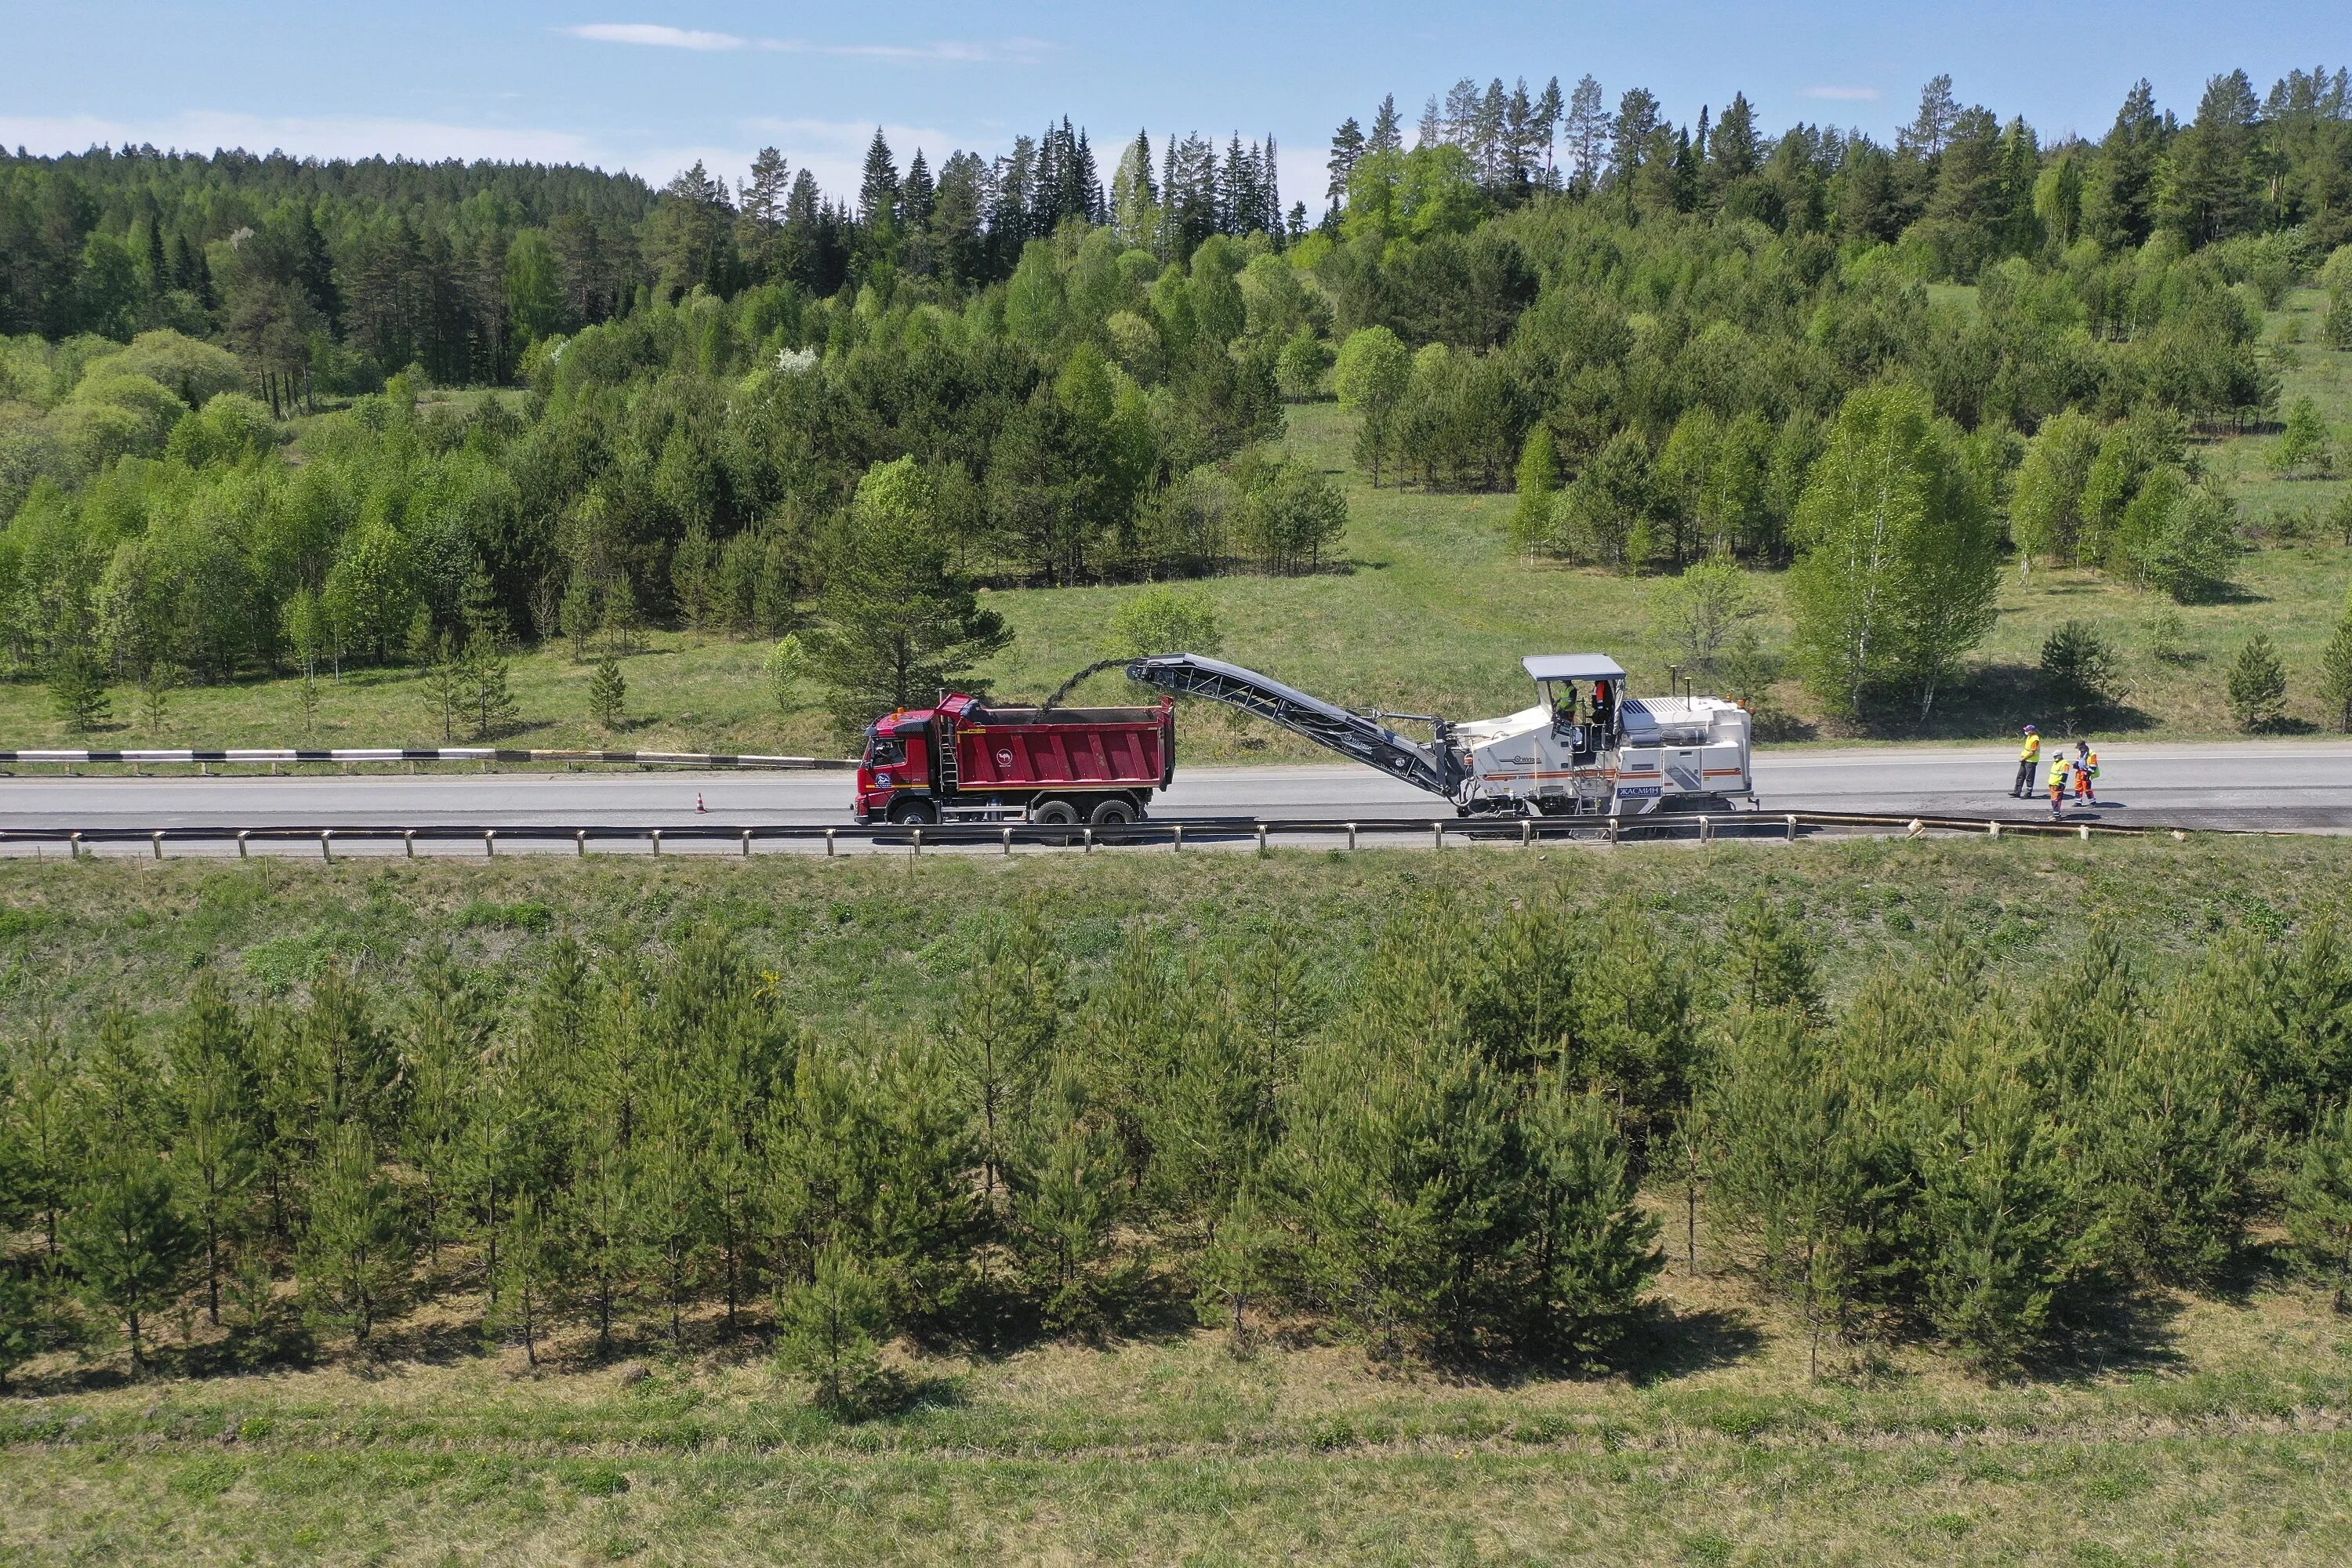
(608, 693)
(433, 1142)
(1068, 1186)
(2336, 674)
(78, 689)
(2257, 684)
(1790, 1173)
(2078, 670)
(827, 1330)
(2319, 1205)
(1538, 479)
(2303, 443)
(489, 707)
(1387, 134)
(1590, 131)
(214, 1153)
(1592, 1250)
(897, 624)
(354, 1258)
(22, 1316)
(128, 1242)
(1239, 1271)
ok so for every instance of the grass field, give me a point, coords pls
(1427, 610)
(2202, 1429)
(2216, 1437)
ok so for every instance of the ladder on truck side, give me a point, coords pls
(1435, 767)
(949, 779)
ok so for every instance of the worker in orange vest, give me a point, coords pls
(2087, 769)
(2026, 759)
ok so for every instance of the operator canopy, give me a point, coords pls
(1573, 667)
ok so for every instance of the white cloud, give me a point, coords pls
(316, 136)
(654, 35)
(1013, 51)
(1848, 94)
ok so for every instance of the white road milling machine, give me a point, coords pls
(1584, 749)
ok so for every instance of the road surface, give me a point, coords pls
(2300, 784)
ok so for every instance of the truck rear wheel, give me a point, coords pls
(1054, 814)
(1112, 812)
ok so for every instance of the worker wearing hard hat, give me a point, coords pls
(2086, 770)
(2026, 758)
(2060, 767)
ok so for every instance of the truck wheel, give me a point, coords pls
(1054, 814)
(1112, 812)
(914, 813)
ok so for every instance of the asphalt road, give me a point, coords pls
(2302, 784)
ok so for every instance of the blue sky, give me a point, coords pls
(652, 87)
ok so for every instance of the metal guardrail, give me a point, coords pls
(431, 755)
(1528, 832)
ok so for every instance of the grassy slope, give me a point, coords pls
(1429, 610)
(2203, 1429)
(879, 940)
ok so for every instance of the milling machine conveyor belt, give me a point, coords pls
(1433, 767)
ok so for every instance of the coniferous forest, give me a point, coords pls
(1677, 341)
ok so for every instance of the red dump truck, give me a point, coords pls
(1060, 766)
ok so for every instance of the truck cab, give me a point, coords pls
(894, 776)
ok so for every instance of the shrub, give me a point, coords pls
(1163, 619)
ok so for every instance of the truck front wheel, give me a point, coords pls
(914, 813)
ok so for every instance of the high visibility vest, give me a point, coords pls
(2058, 773)
(2032, 752)
(2091, 764)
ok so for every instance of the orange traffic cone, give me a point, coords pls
(698, 806)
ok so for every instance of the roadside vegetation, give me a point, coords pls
(1090, 1203)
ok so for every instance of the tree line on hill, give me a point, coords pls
(1441, 1158)
(1656, 333)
